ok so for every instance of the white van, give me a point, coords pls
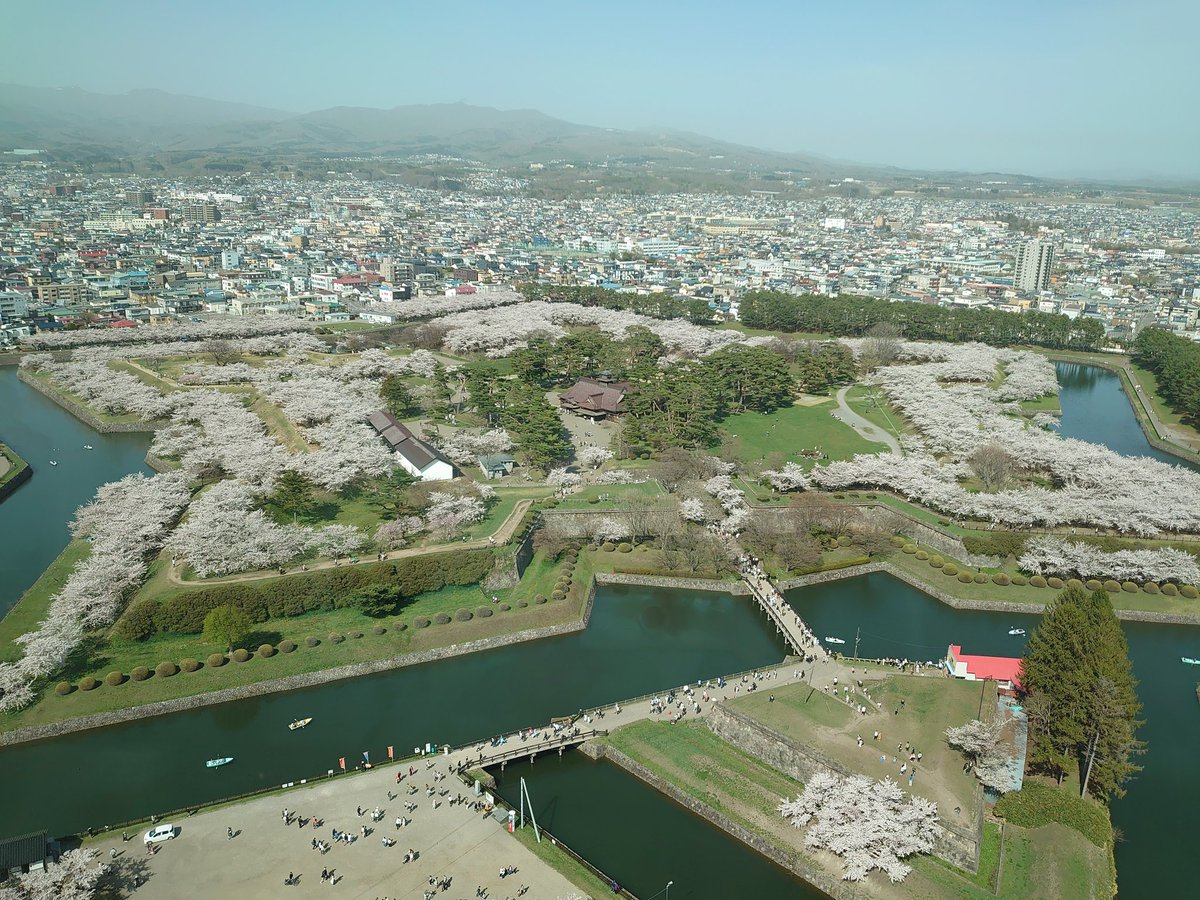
(159, 833)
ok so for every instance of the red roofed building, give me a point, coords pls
(1004, 670)
(123, 323)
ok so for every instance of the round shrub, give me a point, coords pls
(608, 547)
(1019, 580)
(504, 607)
(539, 599)
(112, 679)
(1130, 587)
(521, 604)
(241, 655)
(569, 569)
(1037, 581)
(593, 499)
(571, 555)
(1001, 579)
(286, 646)
(949, 569)
(1093, 585)
(442, 619)
(484, 612)
(312, 642)
(141, 673)
(1075, 583)
(464, 615)
(88, 684)
(63, 688)
(980, 578)
(1189, 591)
(266, 651)
(1170, 590)
(909, 548)
(922, 555)
(165, 669)
(624, 547)
(421, 622)
(378, 629)
(356, 634)
(215, 660)
(1054, 582)
(189, 664)
(844, 540)
(1112, 586)
(964, 577)
(898, 541)
(561, 585)
(1150, 587)
(400, 626)
(557, 595)
(937, 561)
(336, 638)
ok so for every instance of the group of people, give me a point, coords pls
(754, 573)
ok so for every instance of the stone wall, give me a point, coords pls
(793, 862)
(16, 480)
(957, 845)
(736, 588)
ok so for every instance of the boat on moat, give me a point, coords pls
(216, 763)
(299, 723)
(833, 640)
(1016, 631)
(1190, 661)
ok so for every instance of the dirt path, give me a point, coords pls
(501, 535)
(865, 429)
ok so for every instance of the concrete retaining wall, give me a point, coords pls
(81, 412)
(16, 481)
(736, 588)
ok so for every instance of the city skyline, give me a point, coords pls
(1065, 91)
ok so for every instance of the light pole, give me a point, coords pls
(667, 890)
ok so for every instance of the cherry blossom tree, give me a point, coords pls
(594, 457)
(75, 875)
(870, 824)
(397, 532)
(1056, 556)
(692, 510)
(448, 514)
(562, 478)
(610, 529)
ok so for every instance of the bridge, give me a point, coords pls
(799, 637)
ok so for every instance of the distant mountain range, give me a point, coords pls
(72, 122)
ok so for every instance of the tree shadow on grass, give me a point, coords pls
(258, 637)
(86, 659)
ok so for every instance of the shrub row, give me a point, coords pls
(294, 595)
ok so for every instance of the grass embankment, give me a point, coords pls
(1182, 426)
(117, 654)
(926, 708)
(11, 464)
(778, 437)
(563, 863)
(607, 496)
(31, 608)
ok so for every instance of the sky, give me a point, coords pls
(1043, 87)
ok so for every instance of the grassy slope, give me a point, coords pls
(755, 437)
(12, 464)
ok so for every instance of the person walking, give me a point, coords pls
(229, 834)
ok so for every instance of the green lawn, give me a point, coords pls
(618, 494)
(1049, 404)
(279, 425)
(868, 402)
(31, 608)
(506, 500)
(146, 378)
(778, 437)
(1166, 414)
(567, 866)
(13, 464)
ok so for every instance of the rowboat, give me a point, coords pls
(299, 723)
(833, 640)
(214, 763)
(1190, 661)
(1015, 631)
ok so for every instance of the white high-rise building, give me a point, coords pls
(1034, 261)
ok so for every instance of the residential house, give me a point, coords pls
(496, 465)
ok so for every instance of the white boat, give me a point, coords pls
(1190, 661)
(214, 763)
(54, 462)
(88, 447)
(299, 723)
(833, 640)
(1016, 631)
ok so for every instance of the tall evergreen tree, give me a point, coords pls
(1082, 702)
(396, 397)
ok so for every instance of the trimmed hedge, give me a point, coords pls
(63, 688)
(1076, 584)
(608, 547)
(266, 651)
(937, 561)
(1037, 581)
(1112, 586)
(1093, 585)
(216, 660)
(1020, 580)
(557, 595)
(898, 541)
(1001, 544)
(400, 626)
(141, 673)
(165, 669)
(378, 629)
(624, 547)
(88, 683)
(844, 540)
(504, 607)
(1150, 587)
(421, 622)
(1189, 591)
(336, 638)
(241, 655)
(1001, 579)
(286, 646)
(484, 612)
(909, 548)
(965, 577)
(1130, 587)
(521, 604)
(1038, 804)
(442, 619)
(949, 569)
(464, 615)
(539, 599)
(189, 664)
(312, 642)
(356, 634)
(922, 555)
(295, 595)
(112, 679)
(1170, 590)
(1054, 582)
(980, 578)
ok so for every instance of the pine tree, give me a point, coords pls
(396, 397)
(293, 494)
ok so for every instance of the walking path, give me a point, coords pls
(787, 621)
(500, 536)
(865, 429)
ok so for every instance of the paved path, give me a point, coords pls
(865, 429)
(500, 536)
(787, 621)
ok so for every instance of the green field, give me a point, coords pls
(868, 402)
(1166, 414)
(771, 439)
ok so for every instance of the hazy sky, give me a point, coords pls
(1052, 87)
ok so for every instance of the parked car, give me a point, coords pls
(160, 833)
